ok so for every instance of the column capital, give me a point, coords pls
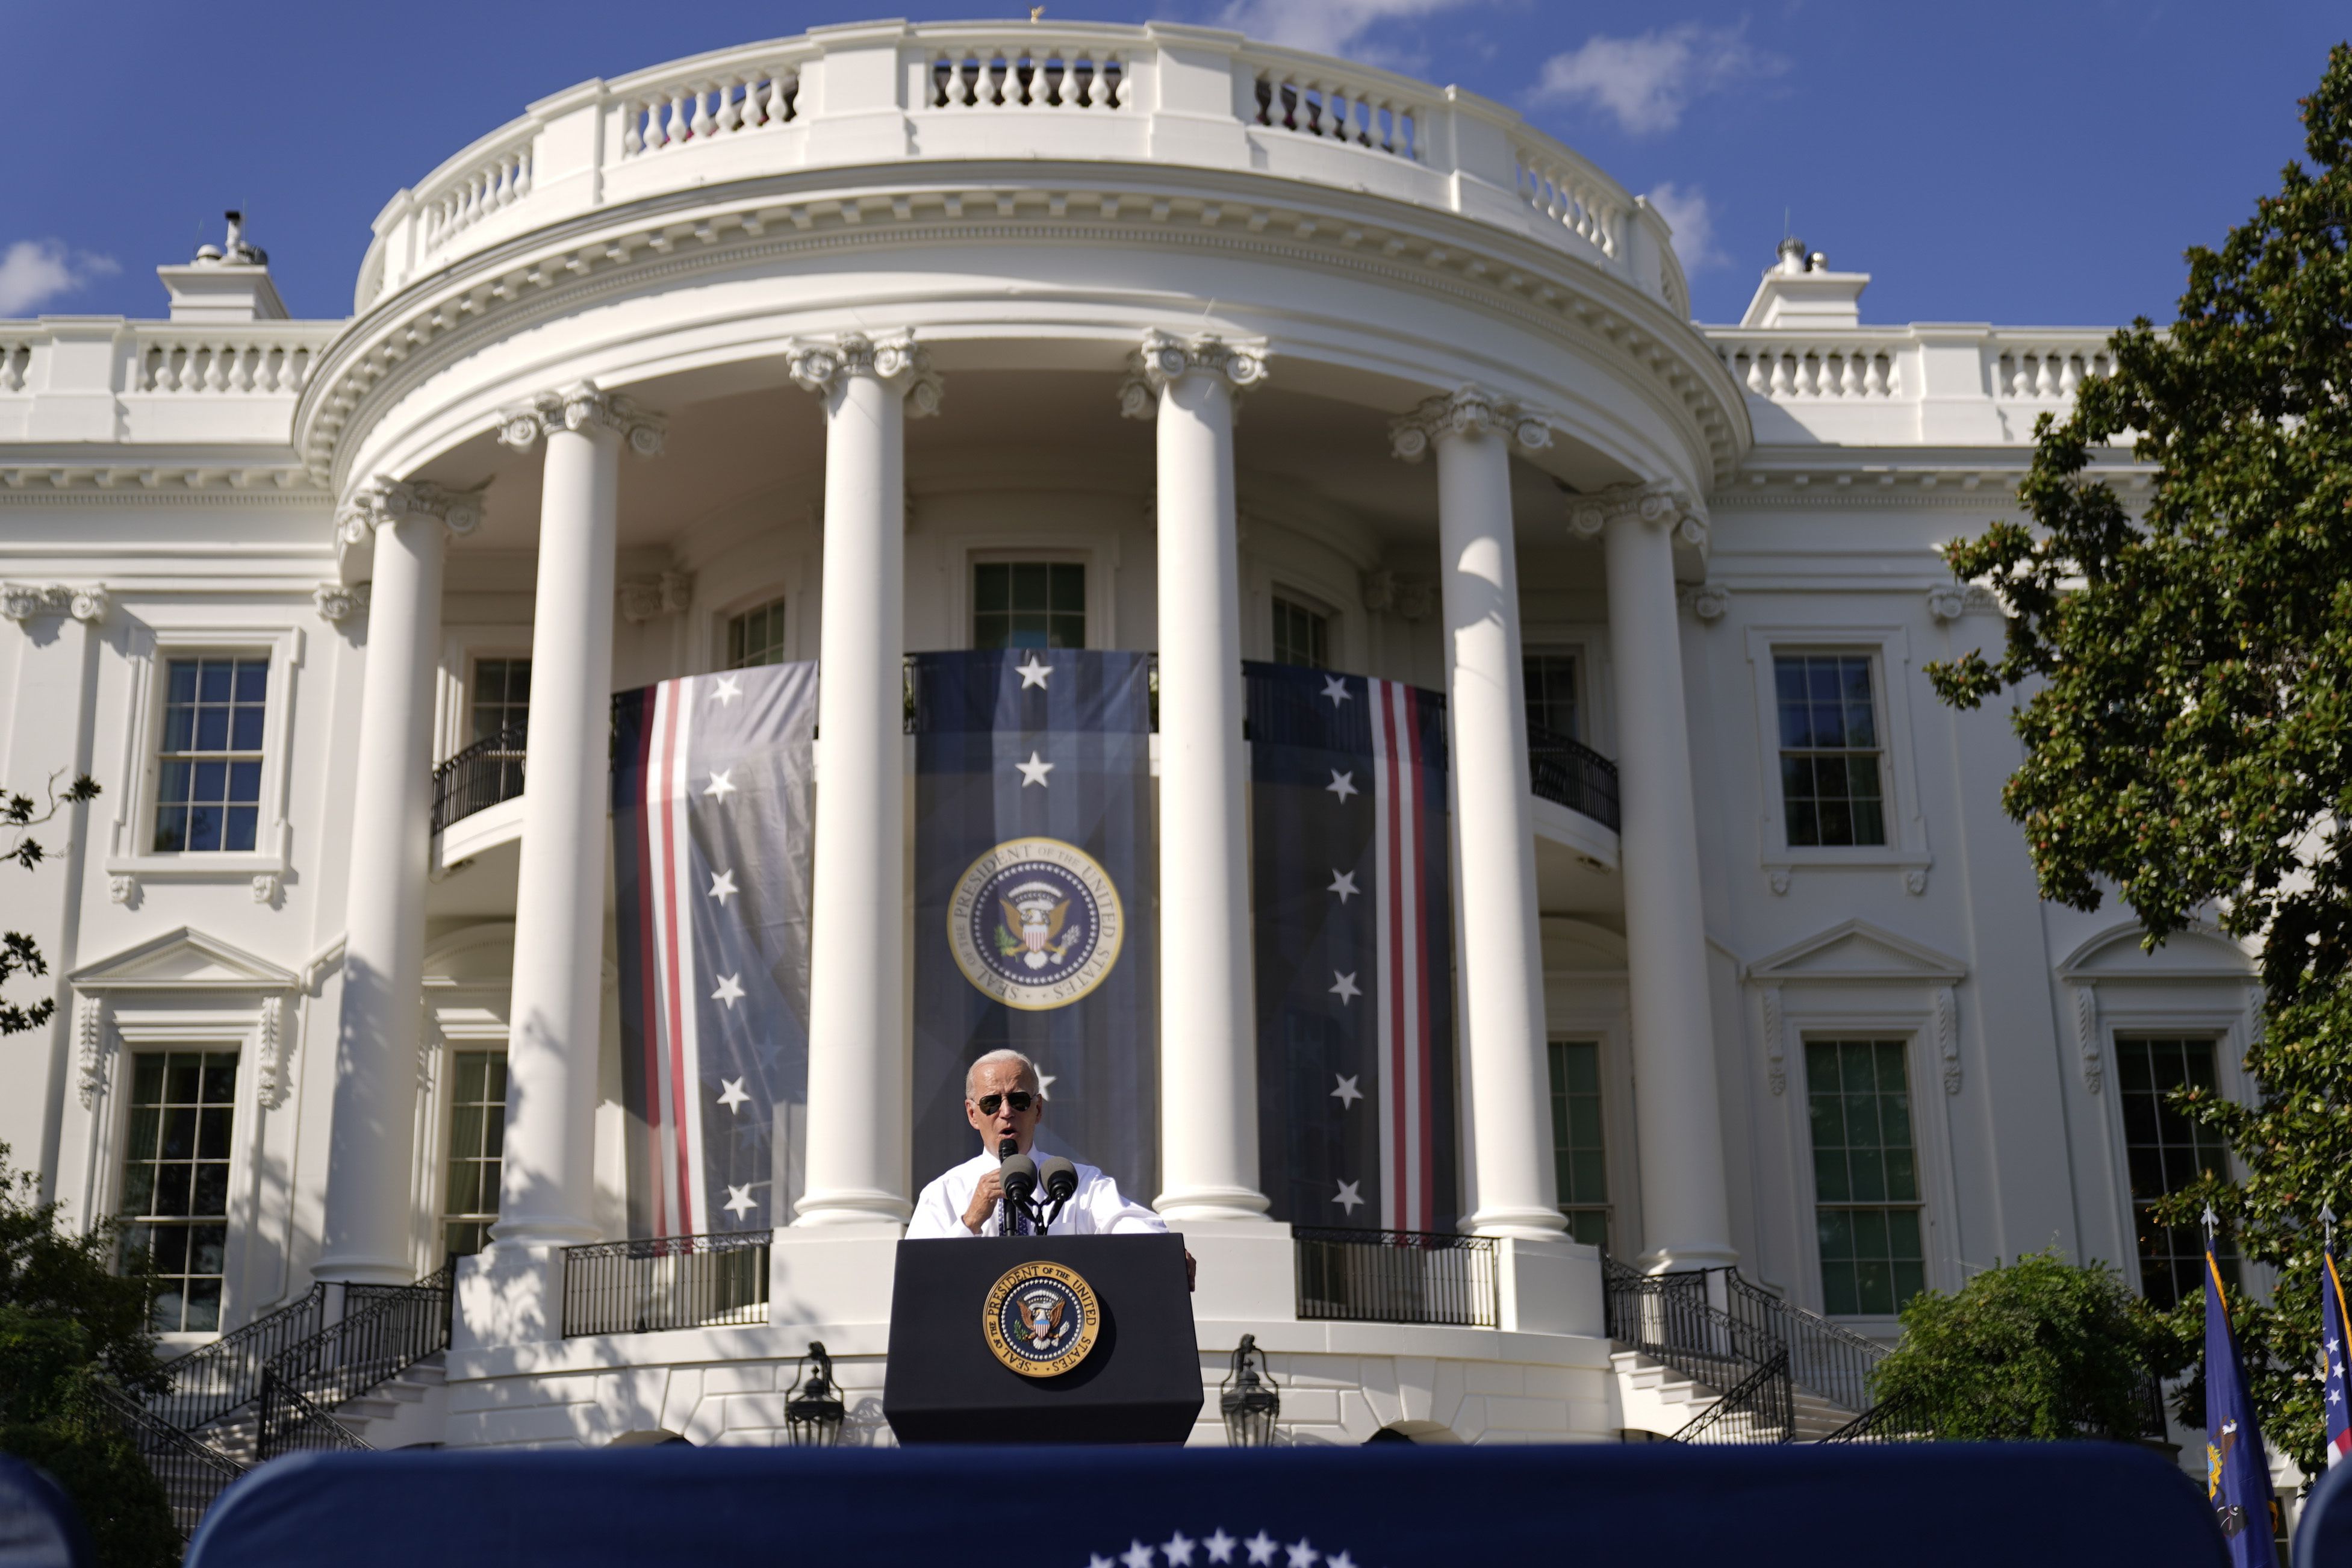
(340, 602)
(381, 502)
(1463, 411)
(1163, 358)
(894, 359)
(87, 603)
(583, 406)
(1658, 503)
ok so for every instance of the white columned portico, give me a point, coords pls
(368, 1230)
(1208, 1055)
(1500, 951)
(1686, 1208)
(857, 1090)
(547, 1187)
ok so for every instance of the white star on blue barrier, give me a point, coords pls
(1342, 784)
(1221, 1546)
(1137, 1555)
(1301, 1554)
(1261, 1547)
(1179, 1548)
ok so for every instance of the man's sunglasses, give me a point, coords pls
(1021, 1099)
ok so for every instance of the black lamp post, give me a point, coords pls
(1248, 1398)
(813, 1415)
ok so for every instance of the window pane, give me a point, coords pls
(1551, 694)
(2164, 1151)
(1580, 1160)
(1830, 784)
(176, 1180)
(1865, 1177)
(469, 1199)
(1029, 604)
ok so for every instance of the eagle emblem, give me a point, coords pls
(1041, 1319)
(1035, 914)
(1036, 923)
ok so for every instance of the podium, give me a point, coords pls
(1041, 1339)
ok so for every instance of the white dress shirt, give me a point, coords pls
(1099, 1208)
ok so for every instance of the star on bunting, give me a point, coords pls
(1097, 1560)
(730, 688)
(1221, 1546)
(1344, 884)
(734, 1096)
(1261, 1547)
(1137, 1555)
(731, 989)
(1301, 1554)
(722, 886)
(722, 783)
(1179, 1548)
(1342, 784)
(1344, 986)
(1033, 673)
(1346, 1094)
(1044, 1085)
(1034, 771)
(739, 1201)
(1337, 690)
(1350, 1200)
(1340, 1560)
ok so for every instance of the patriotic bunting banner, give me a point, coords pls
(1033, 898)
(2335, 1386)
(711, 797)
(1354, 945)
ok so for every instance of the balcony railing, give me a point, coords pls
(479, 777)
(665, 1282)
(1396, 1277)
(1571, 773)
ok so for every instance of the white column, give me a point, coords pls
(1499, 952)
(1686, 1208)
(1208, 1032)
(858, 1105)
(547, 1187)
(370, 1231)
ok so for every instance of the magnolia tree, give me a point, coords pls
(2186, 683)
(19, 953)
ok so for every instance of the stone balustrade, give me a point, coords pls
(904, 95)
(1925, 383)
(84, 378)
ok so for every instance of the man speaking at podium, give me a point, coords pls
(1001, 1099)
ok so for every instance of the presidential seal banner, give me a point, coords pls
(1350, 883)
(1032, 868)
(711, 797)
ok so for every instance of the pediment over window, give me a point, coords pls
(183, 960)
(1859, 951)
(2195, 954)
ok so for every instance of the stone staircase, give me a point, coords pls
(407, 1410)
(1654, 1398)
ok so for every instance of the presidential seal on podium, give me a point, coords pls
(1041, 1319)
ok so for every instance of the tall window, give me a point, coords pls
(1029, 604)
(500, 697)
(1301, 635)
(1551, 694)
(2167, 1152)
(1577, 1151)
(477, 1127)
(1829, 778)
(208, 793)
(176, 1180)
(1866, 1177)
(756, 636)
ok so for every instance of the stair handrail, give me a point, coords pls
(1765, 1393)
(1668, 1318)
(217, 1380)
(384, 1330)
(291, 1421)
(1824, 1358)
(192, 1472)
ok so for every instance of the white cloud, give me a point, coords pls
(35, 271)
(1686, 212)
(1648, 80)
(1326, 27)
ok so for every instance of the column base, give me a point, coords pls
(1522, 1223)
(1549, 1287)
(852, 1207)
(1681, 1259)
(509, 1293)
(832, 1273)
(364, 1271)
(1248, 1270)
(1212, 1204)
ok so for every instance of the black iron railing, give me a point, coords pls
(479, 777)
(1760, 1409)
(291, 1423)
(1673, 1320)
(1823, 1357)
(665, 1282)
(192, 1471)
(1571, 773)
(384, 1330)
(222, 1378)
(1888, 1421)
(1396, 1277)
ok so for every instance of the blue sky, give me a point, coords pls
(2038, 164)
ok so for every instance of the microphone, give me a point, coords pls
(1020, 1173)
(1060, 1179)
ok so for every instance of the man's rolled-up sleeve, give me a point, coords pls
(935, 1218)
(1115, 1214)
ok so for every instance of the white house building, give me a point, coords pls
(848, 346)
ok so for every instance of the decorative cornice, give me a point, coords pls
(380, 502)
(1657, 503)
(277, 1061)
(129, 483)
(643, 598)
(894, 359)
(21, 602)
(1461, 412)
(1163, 358)
(340, 602)
(582, 406)
(1710, 602)
(91, 1043)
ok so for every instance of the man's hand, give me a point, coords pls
(984, 1199)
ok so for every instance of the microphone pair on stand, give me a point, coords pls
(1023, 1176)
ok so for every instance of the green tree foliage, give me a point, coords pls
(2188, 720)
(2042, 1350)
(68, 1322)
(18, 951)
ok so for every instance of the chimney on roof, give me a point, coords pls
(225, 283)
(1800, 291)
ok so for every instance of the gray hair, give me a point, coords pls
(1028, 1070)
